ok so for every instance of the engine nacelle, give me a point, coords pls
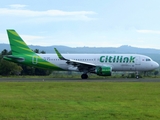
(72, 68)
(103, 71)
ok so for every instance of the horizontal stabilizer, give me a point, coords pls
(20, 59)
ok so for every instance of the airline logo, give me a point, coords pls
(117, 59)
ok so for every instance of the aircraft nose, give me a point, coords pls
(155, 65)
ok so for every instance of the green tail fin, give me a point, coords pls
(18, 46)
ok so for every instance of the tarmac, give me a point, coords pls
(79, 80)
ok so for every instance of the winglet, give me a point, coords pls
(59, 54)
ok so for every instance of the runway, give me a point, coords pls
(79, 80)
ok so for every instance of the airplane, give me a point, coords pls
(100, 64)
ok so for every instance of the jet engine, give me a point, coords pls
(103, 71)
(72, 68)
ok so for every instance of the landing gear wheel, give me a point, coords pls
(137, 76)
(84, 76)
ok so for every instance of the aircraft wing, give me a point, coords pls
(82, 66)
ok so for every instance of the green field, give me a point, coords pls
(79, 100)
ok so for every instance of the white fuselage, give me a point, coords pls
(118, 62)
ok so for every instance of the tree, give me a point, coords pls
(36, 50)
(43, 52)
(9, 68)
(27, 70)
(4, 52)
(156, 72)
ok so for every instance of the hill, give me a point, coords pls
(65, 49)
(153, 53)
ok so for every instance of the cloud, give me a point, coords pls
(15, 11)
(149, 31)
(30, 39)
(3, 38)
(30, 13)
(17, 6)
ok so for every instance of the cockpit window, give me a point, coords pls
(148, 59)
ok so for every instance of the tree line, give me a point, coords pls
(11, 68)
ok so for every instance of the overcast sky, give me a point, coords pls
(78, 23)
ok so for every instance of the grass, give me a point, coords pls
(79, 100)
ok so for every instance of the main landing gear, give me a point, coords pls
(84, 76)
(137, 75)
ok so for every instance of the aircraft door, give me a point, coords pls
(34, 59)
(137, 62)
